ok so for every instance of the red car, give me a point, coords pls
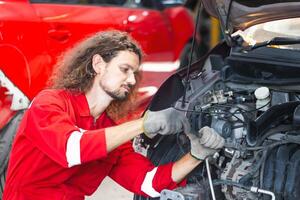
(33, 33)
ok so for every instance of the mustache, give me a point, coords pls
(128, 85)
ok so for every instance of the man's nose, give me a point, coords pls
(131, 79)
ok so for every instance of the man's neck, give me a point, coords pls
(98, 100)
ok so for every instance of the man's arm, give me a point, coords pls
(164, 122)
(137, 174)
(117, 135)
(206, 143)
(201, 147)
(183, 167)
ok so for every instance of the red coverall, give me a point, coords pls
(60, 153)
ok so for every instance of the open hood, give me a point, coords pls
(246, 13)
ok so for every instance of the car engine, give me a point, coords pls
(261, 129)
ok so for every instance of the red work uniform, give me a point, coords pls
(60, 153)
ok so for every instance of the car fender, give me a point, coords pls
(180, 17)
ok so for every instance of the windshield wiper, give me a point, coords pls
(275, 41)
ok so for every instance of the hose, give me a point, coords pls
(210, 179)
(251, 189)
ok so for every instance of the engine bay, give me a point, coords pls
(260, 127)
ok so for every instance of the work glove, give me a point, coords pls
(165, 122)
(206, 143)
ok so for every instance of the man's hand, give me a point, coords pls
(165, 122)
(206, 143)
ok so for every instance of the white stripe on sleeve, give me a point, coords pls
(147, 187)
(73, 148)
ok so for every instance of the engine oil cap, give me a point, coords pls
(262, 93)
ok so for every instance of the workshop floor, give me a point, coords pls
(110, 190)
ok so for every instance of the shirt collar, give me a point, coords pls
(83, 107)
(81, 103)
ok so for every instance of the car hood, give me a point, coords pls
(246, 13)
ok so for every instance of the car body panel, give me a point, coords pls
(179, 19)
(22, 50)
(68, 23)
(23, 45)
(147, 25)
(244, 14)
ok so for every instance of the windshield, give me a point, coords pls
(289, 28)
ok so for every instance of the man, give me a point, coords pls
(67, 142)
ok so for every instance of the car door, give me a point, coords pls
(147, 23)
(69, 21)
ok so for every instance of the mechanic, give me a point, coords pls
(67, 142)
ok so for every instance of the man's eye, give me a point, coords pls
(125, 70)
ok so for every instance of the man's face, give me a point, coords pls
(118, 76)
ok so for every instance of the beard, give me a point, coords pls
(117, 95)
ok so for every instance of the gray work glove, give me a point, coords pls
(165, 122)
(206, 143)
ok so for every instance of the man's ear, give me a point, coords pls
(98, 63)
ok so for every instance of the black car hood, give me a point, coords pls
(246, 13)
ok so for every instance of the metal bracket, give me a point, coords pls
(171, 195)
(19, 100)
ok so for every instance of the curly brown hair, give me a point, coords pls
(74, 70)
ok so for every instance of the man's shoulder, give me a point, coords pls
(52, 96)
(60, 97)
(49, 93)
